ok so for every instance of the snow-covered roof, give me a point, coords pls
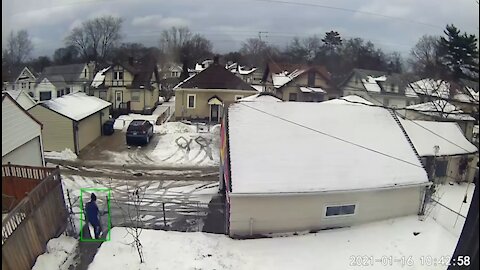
(371, 83)
(99, 77)
(300, 160)
(431, 87)
(260, 98)
(351, 99)
(76, 106)
(13, 93)
(425, 135)
(441, 108)
(259, 88)
(280, 79)
(312, 90)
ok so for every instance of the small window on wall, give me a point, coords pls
(191, 101)
(118, 75)
(24, 85)
(292, 97)
(237, 97)
(340, 210)
(45, 96)
(135, 96)
(441, 168)
(67, 90)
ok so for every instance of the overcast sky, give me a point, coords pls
(227, 23)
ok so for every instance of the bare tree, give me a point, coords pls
(131, 214)
(18, 48)
(256, 51)
(95, 38)
(424, 56)
(172, 40)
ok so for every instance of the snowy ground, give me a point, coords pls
(59, 254)
(66, 154)
(186, 202)
(334, 249)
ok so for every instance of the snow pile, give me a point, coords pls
(66, 154)
(175, 127)
(332, 249)
(123, 121)
(77, 105)
(59, 254)
(216, 129)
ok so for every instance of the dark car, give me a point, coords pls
(108, 127)
(139, 131)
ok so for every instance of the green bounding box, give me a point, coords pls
(97, 191)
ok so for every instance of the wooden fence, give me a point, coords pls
(40, 216)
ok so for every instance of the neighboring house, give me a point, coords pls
(22, 98)
(380, 87)
(21, 78)
(463, 95)
(205, 95)
(303, 180)
(130, 87)
(56, 81)
(244, 73)
(296, 82)
(170, 71)
(72, 121)
(443, 111)
(446, 153)
(21, 135)
(199, 67)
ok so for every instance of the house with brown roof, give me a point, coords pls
(204, 96)
(299, 82)
(130, 87)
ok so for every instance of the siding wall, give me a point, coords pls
(17, 127)
(25, 101)
(271, 214)
(90, 128)
(202, 109)
(57, 130)
(29, 154)
(45, 86)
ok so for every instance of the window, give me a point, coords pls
(135, 96)
(118, 75)
(67, 90)
(85, 73)
(340, 210)
(237, 97)
(60, 93)
(311, 79)
(191, 101)
(292, 97)
(441, 168)
(45, 96)
(24, 85)
(13, 86)
(102, 95)
(29, 85)
(392, 87)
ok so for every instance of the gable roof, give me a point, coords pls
(76, 106)
(375, 80)
(5, 94)
(303, 159)
(261, 97)
(283, 73)
(215, 77)
(15, 94)
(425, 135)
(69, 73)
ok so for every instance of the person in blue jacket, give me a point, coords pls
(92, 215)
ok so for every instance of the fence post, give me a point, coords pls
(71, 212)
(164, 219)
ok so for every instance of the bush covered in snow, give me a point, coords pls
(175, 127)
(58, 255)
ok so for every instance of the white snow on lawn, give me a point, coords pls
(66, 154)
(451, 196)
(331, 249)
(123, 121)
(59, 254)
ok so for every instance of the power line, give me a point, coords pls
(349, 10)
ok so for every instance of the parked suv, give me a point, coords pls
(139, 131)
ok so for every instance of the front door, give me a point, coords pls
(118, 98)
(214, 112)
